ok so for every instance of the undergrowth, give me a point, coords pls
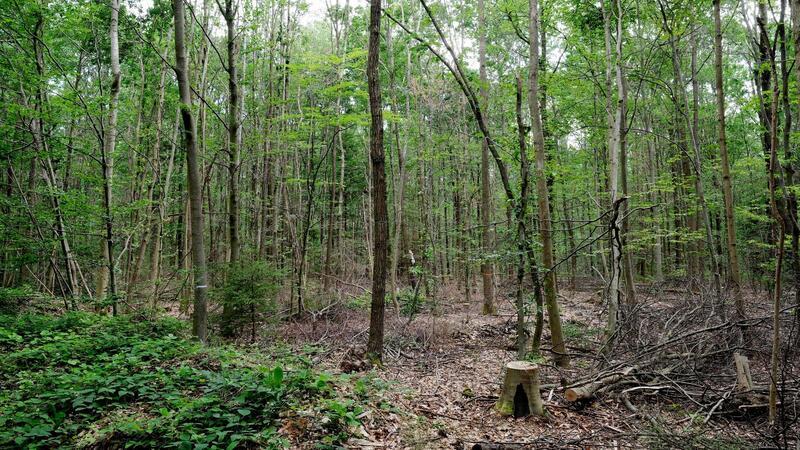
(83, 380)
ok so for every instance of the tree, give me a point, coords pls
(542, 194)
(614, 124)
(725, 166)
(234, 107)
(199, 328)
(107, 159)
(379, 212)
(487, 237)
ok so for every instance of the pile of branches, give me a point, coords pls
(690, 349)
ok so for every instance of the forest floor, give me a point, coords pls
(443, 372)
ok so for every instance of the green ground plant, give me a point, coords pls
(84, 380)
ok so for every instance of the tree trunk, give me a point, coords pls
(614, 124)
(487, 235)
(522, 209)
(542, 194)
(778, 213)
(71, 286)
(658, 264)
(234, 106)
(520, 396)
(157, 250)
(379, 212)
(727, 189)
(698, 171)
(107, 154)
(199, 328)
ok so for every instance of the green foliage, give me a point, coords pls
(88, 380)
(579, 331)
(249, 289)
(12, 298)
(361, 302)
(411, 304)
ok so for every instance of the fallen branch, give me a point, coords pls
(583, 392)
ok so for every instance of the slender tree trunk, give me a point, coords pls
(614, 123)
(234, 106)
(790, 197)
(70, 286)
(107, 154)
(778, 213)
(627, 259)
(379, 212)
(157, 250)
(727, 189)
(399, 194)
(796, 240)
(193, 174)
(658, 264)
(542, 194)
(487, 235)
(698, 172)
(522, 209)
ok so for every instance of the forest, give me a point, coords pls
(469, 224)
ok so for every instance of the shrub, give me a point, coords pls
(249, 290)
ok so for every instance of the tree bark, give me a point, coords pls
(234, 106)
(542, 194)
(487, 235)
(379, 211)
(107, 153)
(522, 209)
(727, 189)
(658, 264)
(614, 123)
(199, 328)
(779, 215)
(698, 171)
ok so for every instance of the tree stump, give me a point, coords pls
(744, 380)
(520, 396)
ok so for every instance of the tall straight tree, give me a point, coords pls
(543, 196)
(614, 123)
(487, 237)
(379, 211)
(234, 106)
(199, 328)
(107, 153)
(727, 189)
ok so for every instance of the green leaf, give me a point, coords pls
(277, 375)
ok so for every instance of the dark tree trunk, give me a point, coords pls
(379, 212)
